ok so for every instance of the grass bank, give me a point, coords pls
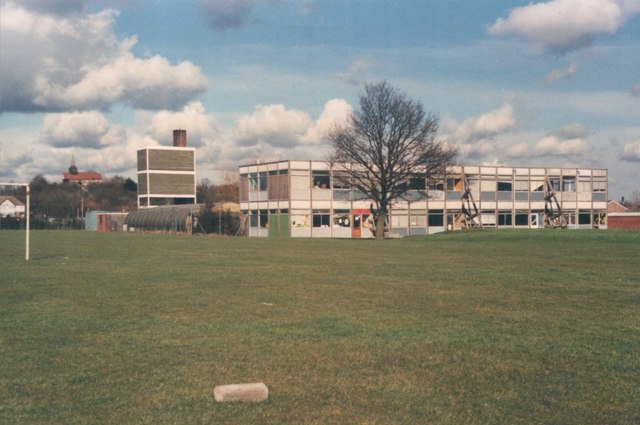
(487, 327)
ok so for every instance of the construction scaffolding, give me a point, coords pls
(472, 217)
(553, 217)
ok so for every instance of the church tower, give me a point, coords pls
(73, 170)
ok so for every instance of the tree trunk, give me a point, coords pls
(380, 227)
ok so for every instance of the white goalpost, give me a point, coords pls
(27, 213)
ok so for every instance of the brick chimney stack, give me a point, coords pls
(180, 138)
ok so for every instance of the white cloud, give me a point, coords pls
(273, 132)
(201, 127)
(275, 126)
(635, 90)
(272, 125)
(572, 130)
(631, 152)
(561, 26)
(81, 129)
(335, 112)
(554, 146)
(485, 126)
(76, 62)
(477, 137)
(519, 150)
(476, 150)
(148, 84)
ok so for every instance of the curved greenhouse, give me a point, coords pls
(165, 219)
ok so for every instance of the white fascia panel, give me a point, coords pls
(320, 205)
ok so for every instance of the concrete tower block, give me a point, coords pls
(253, 393)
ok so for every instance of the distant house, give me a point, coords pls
(616, 207)
(80, 177)
(619, 217)
(11, 207)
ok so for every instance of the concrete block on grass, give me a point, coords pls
(252, 393)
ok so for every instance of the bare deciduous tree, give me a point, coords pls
(387, 143)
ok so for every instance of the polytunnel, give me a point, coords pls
(173, 218)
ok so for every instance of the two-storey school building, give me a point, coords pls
(304, 199)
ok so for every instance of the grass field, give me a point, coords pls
(492, 327)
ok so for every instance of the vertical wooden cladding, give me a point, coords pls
(171, 184)
(278, 186)
(244, 188)
(171, 160)
(142, 183)
(142, 159)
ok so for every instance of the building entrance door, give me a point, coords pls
(356, 229)
(359, 218)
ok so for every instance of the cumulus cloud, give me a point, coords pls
(336, 112)
(572, 130)
(356, 75)
(519, 150)
(476, 150)
(561, 26)
(631, 152)
(74, 129)
(272, 125)
(477, 137)
(141, 83)
(561, 74)
(554, 146)
(75, 62)
(485, 126)
(276, 126)
(568, 141)
(201, 126)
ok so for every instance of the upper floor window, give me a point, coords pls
(417, 183)
(321, 179)
(568, 183)
(263, 180)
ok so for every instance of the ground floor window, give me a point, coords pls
(300, 218)
(436, 218)
(522, 218)
(341, 218)
(505, 218)
(488, 218)
(321, 218)
(584, 217)
(418, 218)
(399, 220)
(264, 218)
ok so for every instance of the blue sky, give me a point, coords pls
(550, 83)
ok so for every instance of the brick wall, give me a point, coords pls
(626, 221)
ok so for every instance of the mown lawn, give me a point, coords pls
(491, 327)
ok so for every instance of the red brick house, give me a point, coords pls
(619, 217)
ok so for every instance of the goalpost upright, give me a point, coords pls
(27, 213)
